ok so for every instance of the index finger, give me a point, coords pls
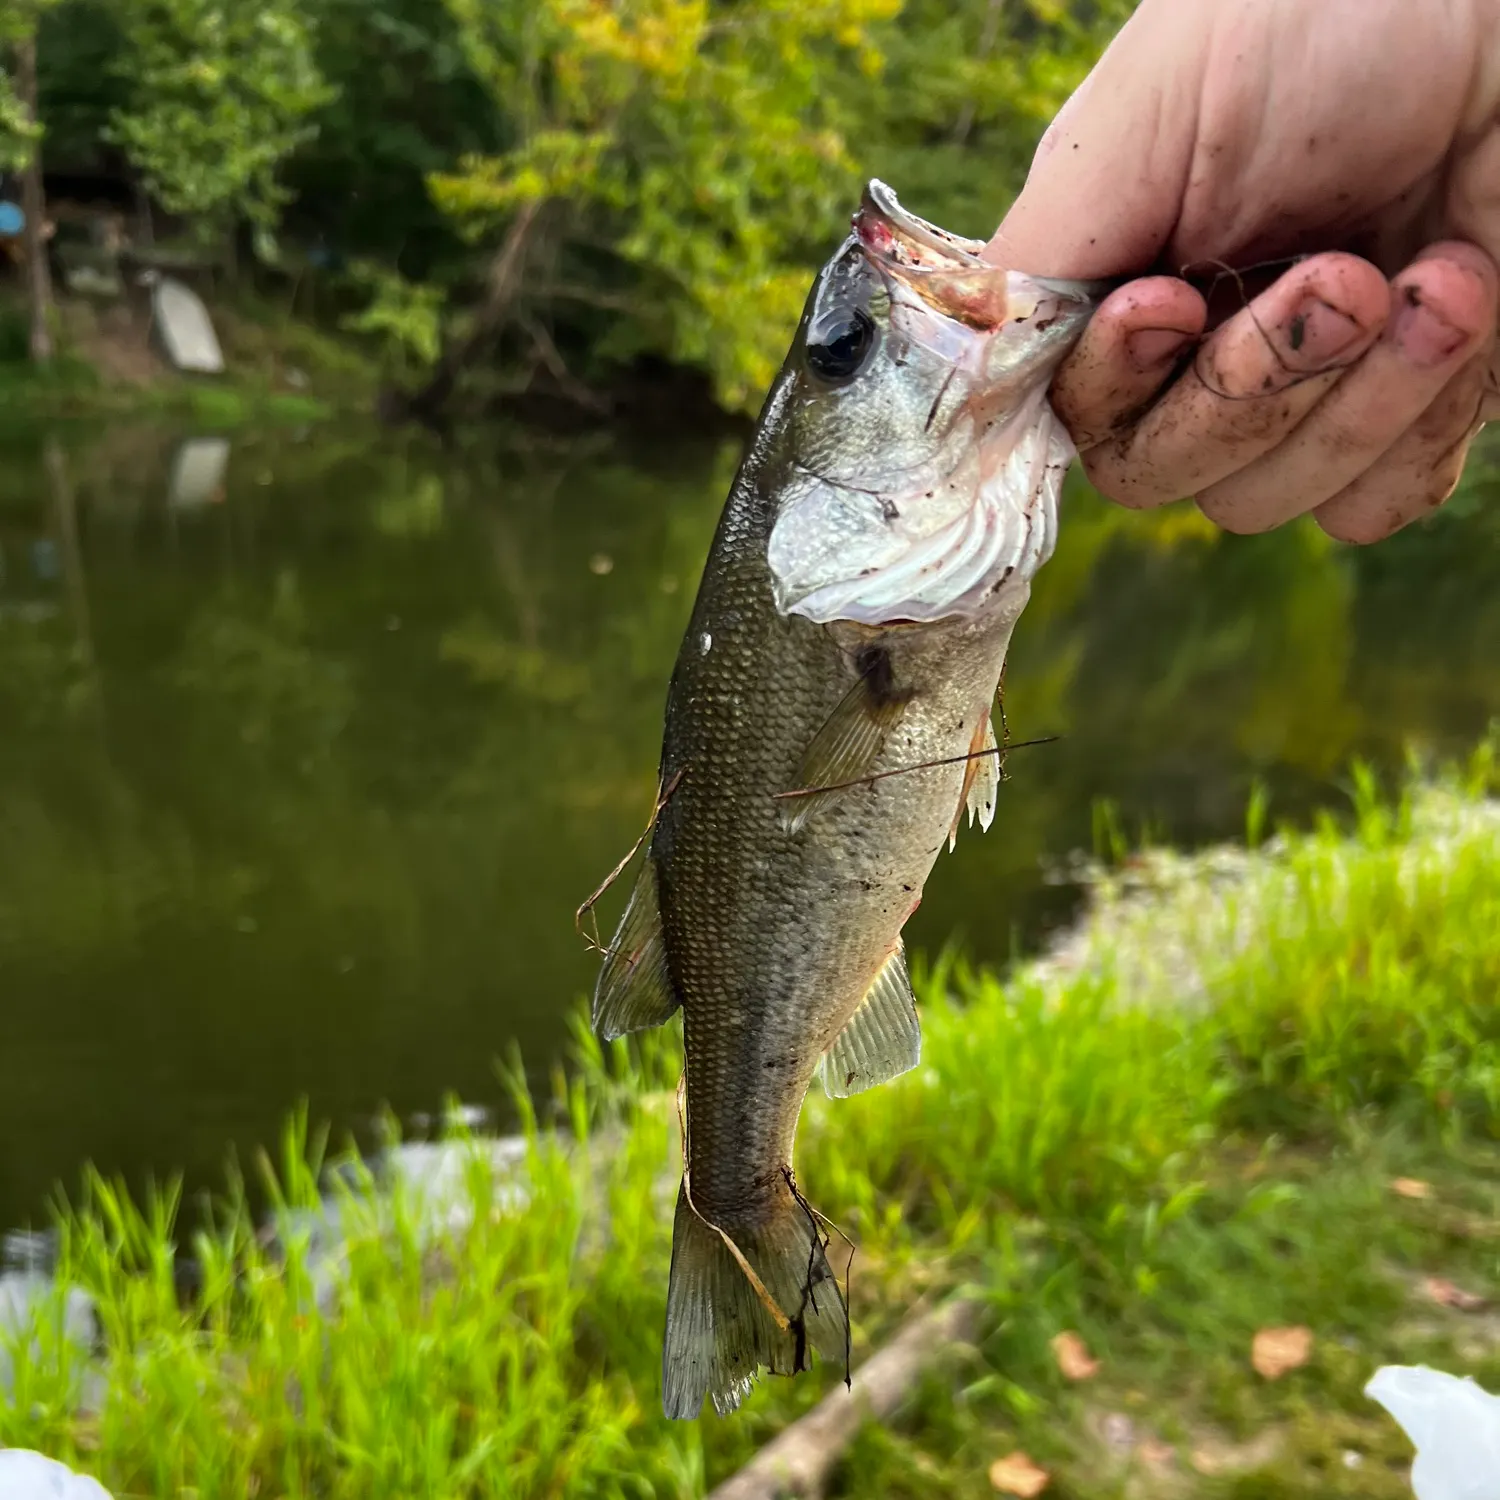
(1108, 179)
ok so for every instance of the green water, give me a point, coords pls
(304, 771)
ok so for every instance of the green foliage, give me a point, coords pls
(967, 88)
(406, 104)
(18, 133)
(694, 160)
(221, 94)
(405, 315)
(489, 1328)
(701, 145)
(714, 150)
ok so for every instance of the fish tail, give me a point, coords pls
(742, 1296)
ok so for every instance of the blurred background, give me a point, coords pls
(371, 377)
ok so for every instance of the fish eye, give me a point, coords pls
(839, 344)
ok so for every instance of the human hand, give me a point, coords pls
(1364, 134)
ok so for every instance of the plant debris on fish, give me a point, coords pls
(827, 727)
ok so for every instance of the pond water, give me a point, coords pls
(311, 743)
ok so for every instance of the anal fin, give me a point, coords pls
(881, 1040)
(981, 792)
(635, 989)
(846, 748)
(981, 777)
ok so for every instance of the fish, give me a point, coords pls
(828, 725)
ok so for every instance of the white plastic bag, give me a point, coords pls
(1455, 1425)
(25, 1475)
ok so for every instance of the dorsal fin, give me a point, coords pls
(850, 741)
(881, 1040)
(635, 989)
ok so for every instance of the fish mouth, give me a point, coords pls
(950, 274)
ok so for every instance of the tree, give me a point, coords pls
(676, 166)
(967, 89)
(20, 150)
(222, 92)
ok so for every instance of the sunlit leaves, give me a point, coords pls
(222, 92)
(18, 133)
(704, 145)
(405, 315)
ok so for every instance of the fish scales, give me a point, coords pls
(845, 647)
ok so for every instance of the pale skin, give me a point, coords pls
(1363, 135)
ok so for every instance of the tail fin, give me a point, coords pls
(721, 1326)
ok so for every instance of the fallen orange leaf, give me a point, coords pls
(1446, 1294)
(1156, 1452)
(1411, 1187)
(1015, 1474)
(1274, 1351)
(1073, 1357)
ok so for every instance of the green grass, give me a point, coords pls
(1179, 1129)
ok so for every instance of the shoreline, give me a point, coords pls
(1081, 1154)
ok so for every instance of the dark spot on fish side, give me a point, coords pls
(850, 1076)
(1297, 330)
(874, 664)
(888, 510)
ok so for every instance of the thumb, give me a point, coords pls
(1107, 183)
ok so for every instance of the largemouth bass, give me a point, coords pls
(827, 726)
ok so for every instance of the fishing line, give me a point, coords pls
(952, 760)
(588, 906)
(821, 1242)
(848, 1239)
(1224, 269)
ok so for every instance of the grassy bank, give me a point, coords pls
(277, 368)
(1181, 1128)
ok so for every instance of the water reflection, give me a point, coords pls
(310, 747)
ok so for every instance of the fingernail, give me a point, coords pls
(1318, 333)
(1423, 335)
(1150, 347)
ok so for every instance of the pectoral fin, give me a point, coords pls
(635, 988)
(881, 1040)
(846, 748)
